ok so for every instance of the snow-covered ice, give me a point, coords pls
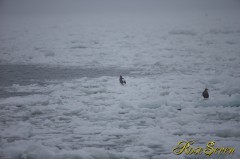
(60, 96)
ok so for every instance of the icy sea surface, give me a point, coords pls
(60, 96)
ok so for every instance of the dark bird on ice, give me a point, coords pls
(122, 80)
(205, 93)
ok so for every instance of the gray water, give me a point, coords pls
(38, 74)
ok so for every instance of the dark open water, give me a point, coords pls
(37, 74)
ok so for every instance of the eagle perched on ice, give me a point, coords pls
(205, 94)
(122, 80)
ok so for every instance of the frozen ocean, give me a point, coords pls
(60, 62)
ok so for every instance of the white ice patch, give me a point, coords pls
(39, 151)
(132, 121)
(226, 101)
